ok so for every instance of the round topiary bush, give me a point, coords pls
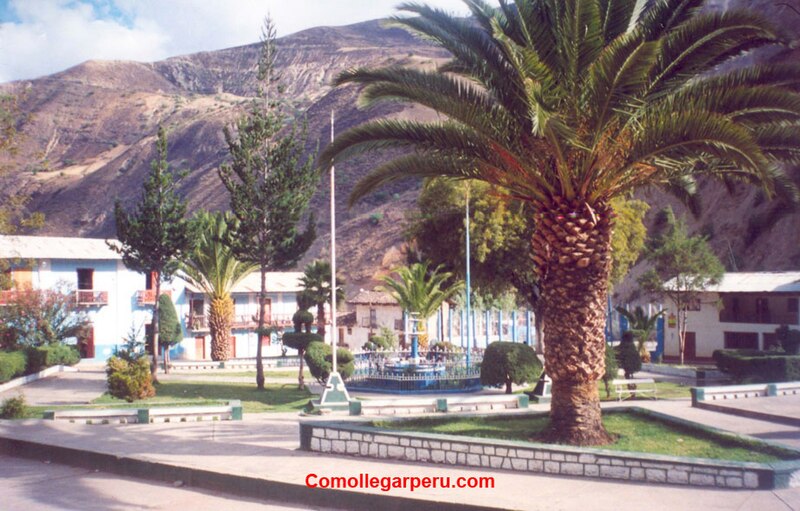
(301, 341)
(130, 381)
(507, 363)
(319, 358)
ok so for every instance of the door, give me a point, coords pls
(232, 347)
(87, 343)
(200, 347)
(690, 346)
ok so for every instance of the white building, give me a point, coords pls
(114, 298)
(741, 312)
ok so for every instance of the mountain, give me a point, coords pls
(88, 135)
(88, 138)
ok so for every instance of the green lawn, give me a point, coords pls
(268, 373)
(274, 398)
(636, 433)
(665, 390)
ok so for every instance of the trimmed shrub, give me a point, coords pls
(753, 366)
(628, 354)
(507, 363)
(50, 355)
(301, 341)
(129, 380)
(13, 408)
(320, 359)
(12, 364)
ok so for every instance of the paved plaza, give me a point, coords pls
(259, 457)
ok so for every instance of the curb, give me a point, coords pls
(240, 485)
(750, 414)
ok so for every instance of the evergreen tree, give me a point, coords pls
(683, 266)
(169, 327)
(156, 233)
(270, 184)
(316, 282)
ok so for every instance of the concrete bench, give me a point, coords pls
(231, 411)
(633, 387)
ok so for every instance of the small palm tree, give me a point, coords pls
(213, 268)
(567, 105)
(420, 291)
(642, 325)
(316, 282)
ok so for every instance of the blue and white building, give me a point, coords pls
(115, 299)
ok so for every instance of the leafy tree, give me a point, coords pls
(302, 337)
(642, 326)
(628, 238)
(683, 266)
(14, 216)
(39, 317)
(316, 282)
(612, 369)
(418, 290)
(566, 105)
(270, 184)
(156, 234)
(168, 326)
(213, 268)
(507, 363)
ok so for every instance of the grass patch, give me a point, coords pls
(274, 398)
(637, 433)
(664, 389)
(268, 373)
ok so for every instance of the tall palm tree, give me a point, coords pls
(213, 268)
(418, 290)
(316, 282)
(567, 104)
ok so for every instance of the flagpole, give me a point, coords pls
(333, 259)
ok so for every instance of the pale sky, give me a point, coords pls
(40, 37)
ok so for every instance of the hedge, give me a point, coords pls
(752, 366)
(507, 363)
(50, 355)
(12, 364)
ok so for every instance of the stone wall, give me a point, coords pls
(359, 440)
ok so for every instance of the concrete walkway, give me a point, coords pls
(259, 458)
(72, 388)
(260, 455)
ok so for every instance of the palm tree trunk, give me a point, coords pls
(220, 313)
(572, 244)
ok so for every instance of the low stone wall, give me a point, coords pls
(231, 411)
(357, 439)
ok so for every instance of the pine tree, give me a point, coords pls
(270, 184)
(156, 234)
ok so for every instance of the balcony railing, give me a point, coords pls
(199, 323)
(148, 296)
(760, 318)
(91, 297)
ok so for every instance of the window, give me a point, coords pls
(791, 305)
(692, 304)
(85, 278)
(741, 341)
(762, 309)
(373, 318)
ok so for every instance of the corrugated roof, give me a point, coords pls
(373, 298)
(277, 282)
(53, 247)
(758, 282)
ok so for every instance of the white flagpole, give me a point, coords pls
(333, 262)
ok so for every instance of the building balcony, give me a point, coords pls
(148, 296)
(91, 297)
(760, 318)
(199, 323)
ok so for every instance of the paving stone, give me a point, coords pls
(677, 476)
(573, 469)
(395, 451)
(552, 467)
(750, 480)
(615, 472)
(734, 482)
(519, 464)
(702, 480)
(352, 447)
(473, 460)
(535, 465)
(591, 470)
(637, 474)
